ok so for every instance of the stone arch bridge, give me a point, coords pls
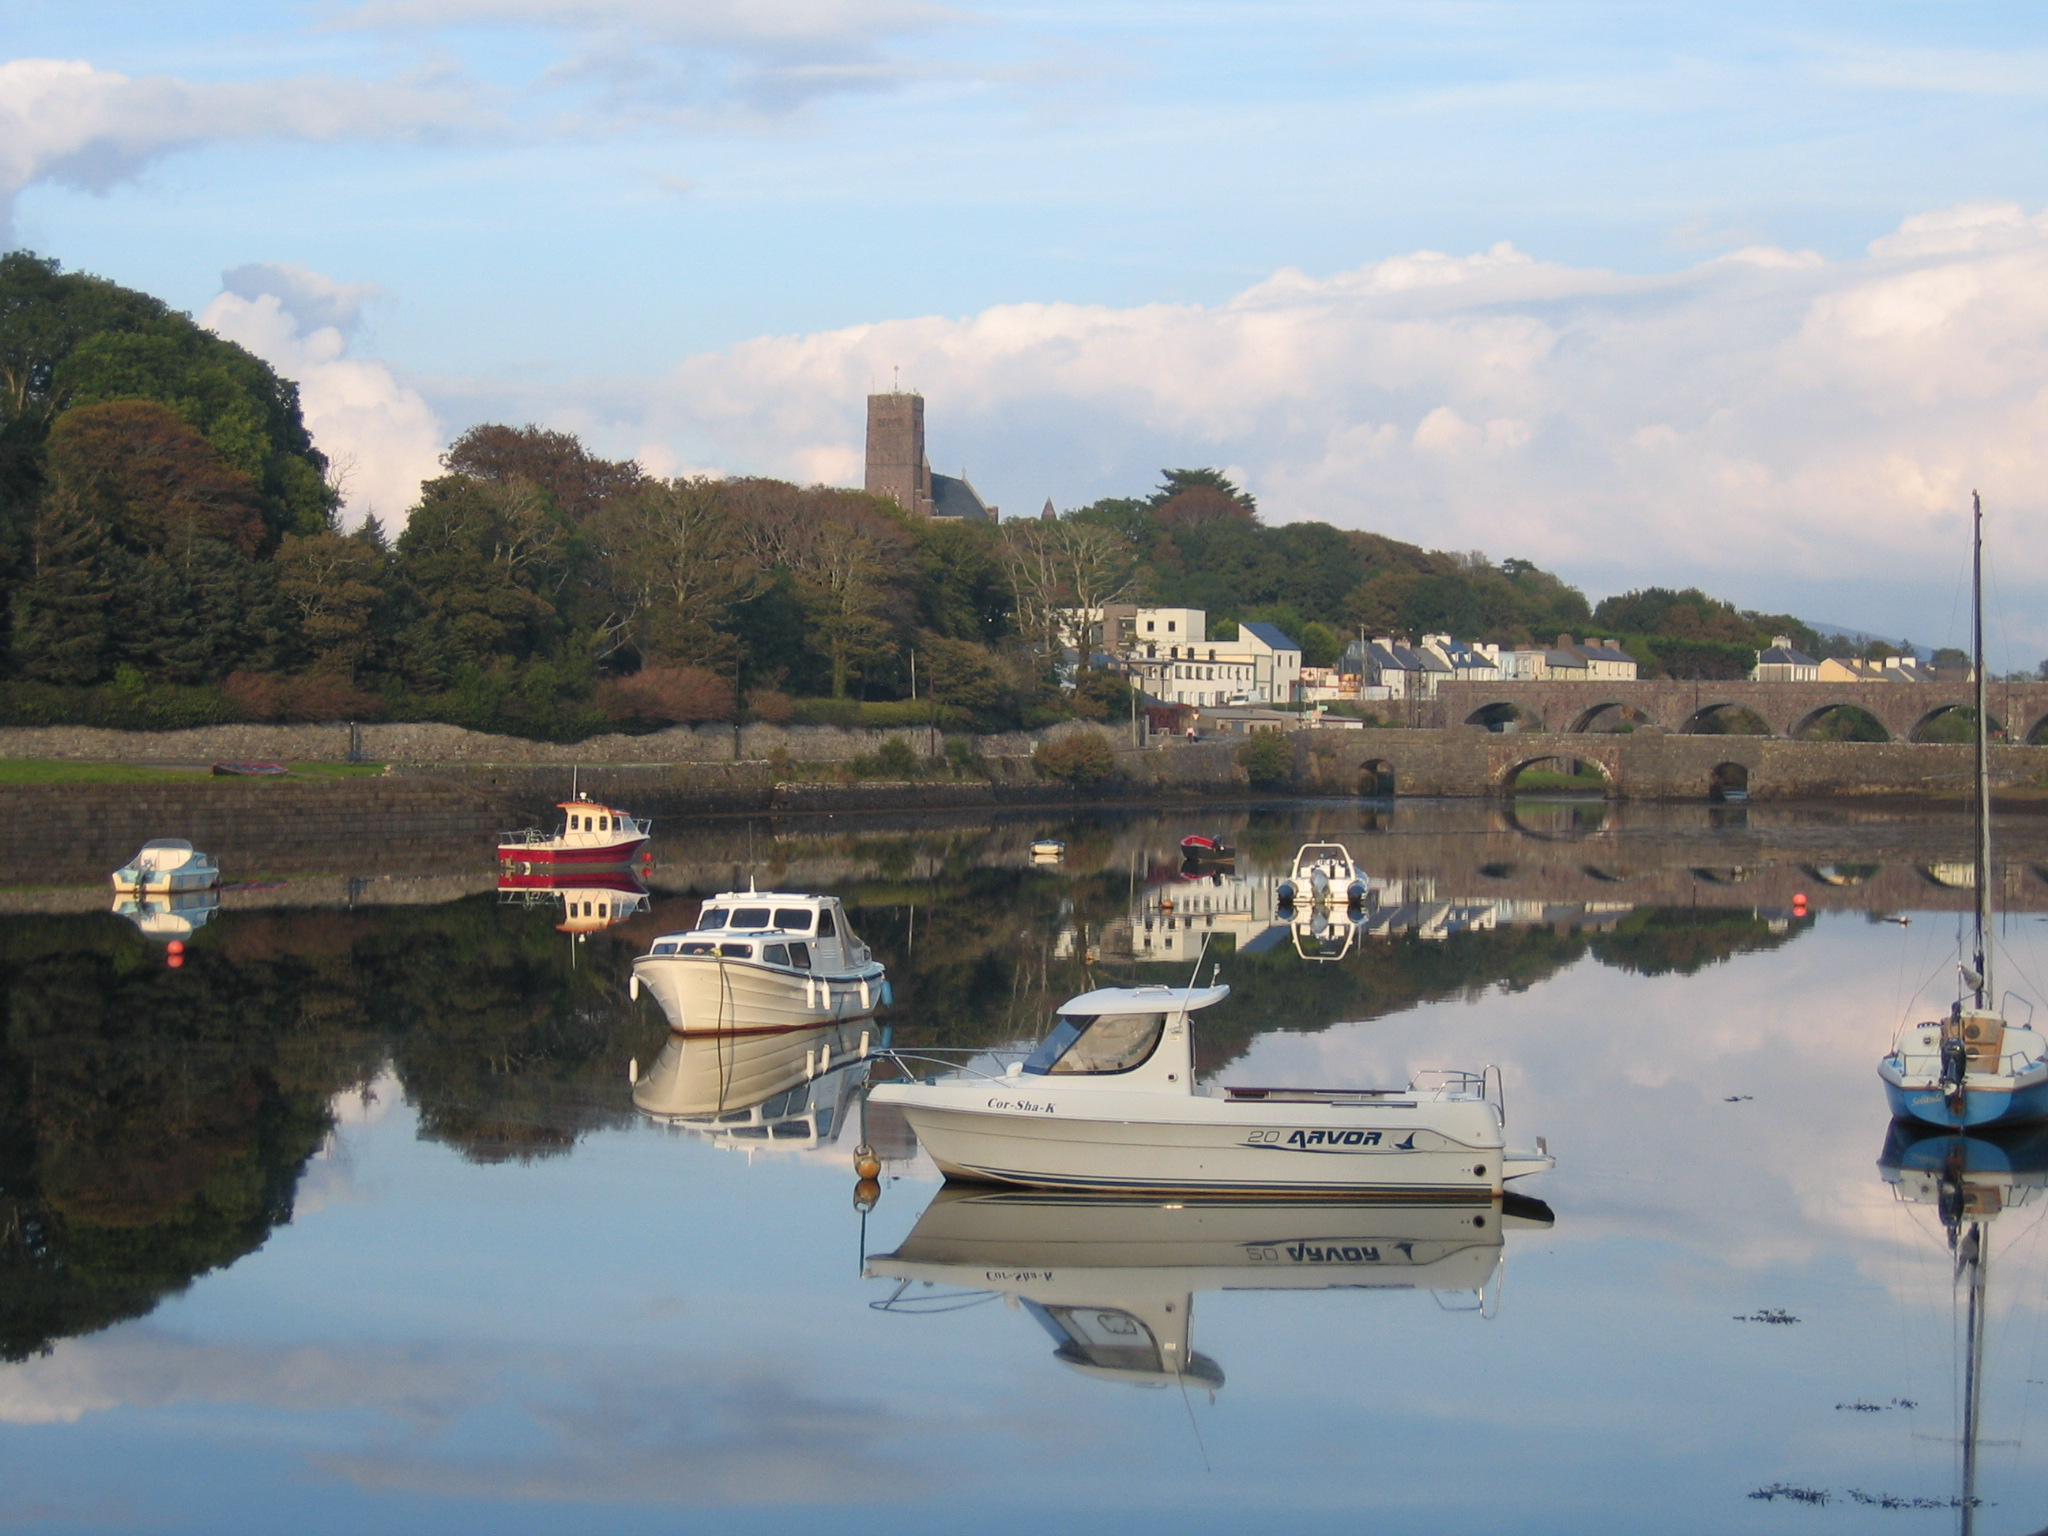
(1684, 707)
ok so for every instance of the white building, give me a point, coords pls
(1783, 662)
(1167, 652)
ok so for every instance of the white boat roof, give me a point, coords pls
(1144, 999)
(784, 897)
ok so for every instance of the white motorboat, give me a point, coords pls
(1113, 1278)
(1108, 1101)
(1323, 874)
(1048, 850)
(730, 1082)
(165, 865)
(763, 962)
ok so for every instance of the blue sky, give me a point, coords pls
(699, 231)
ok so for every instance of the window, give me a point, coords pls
(664, 949)
(1148, 626)
(605, 823)
(1169, 626)
(737, 951)
(711, 917)
(749, 917)
(1110, 1042)
(697, 949)
(793, 919)
(776, 954)
(800, 956)
(826, 929)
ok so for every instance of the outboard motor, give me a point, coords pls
(1955, 1063)
(1356, 895)
(1284, 893)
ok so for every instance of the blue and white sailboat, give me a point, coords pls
(1972, 1069)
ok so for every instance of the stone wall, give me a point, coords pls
(430, 743)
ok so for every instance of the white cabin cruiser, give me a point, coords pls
(763, 962)
(1108, 1101)
(1113, 1278)
(1323, 874)
(165, 865)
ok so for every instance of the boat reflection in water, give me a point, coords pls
(1968, 1182)
(793, 1089)
(1113, 1280)
(170, 917)
(591, 900)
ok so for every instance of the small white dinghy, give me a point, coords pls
(762, 962)
(165, 865)
(1108, 1100)
(1323, 875)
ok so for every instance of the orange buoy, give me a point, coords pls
(865, 1194)
(174, 961)
(175, 947)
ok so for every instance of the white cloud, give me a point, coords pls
(1826, 418)
(380, 435)
(63, 120)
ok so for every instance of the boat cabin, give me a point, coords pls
(600, 823)
(1123, 1037)
(773, 928)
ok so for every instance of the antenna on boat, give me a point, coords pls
(572, 780)
(1196, 974)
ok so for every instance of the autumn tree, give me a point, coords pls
(673, 559)
(579, 481)
(333, 585)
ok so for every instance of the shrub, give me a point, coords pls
(666, 696)
(898, 760)
(313, 697)
(771, 705)
(1267, 760)
(1082, 758)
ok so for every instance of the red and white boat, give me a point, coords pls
(590, 834)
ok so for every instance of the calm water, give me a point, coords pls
(349, 1225)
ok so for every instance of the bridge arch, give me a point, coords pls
(1376, 779)
(1611, 718)
(1559, 770)
(1503, 716)
(1954, 724)
(1840, 721)
(1728, 781)
(1728, 718)
(2037, 733)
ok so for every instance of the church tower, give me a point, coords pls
(897, 467)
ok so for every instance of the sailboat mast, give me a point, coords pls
(1984, 990)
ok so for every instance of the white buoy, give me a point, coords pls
(633, 1070)
(633, 987)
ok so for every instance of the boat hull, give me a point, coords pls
(2022, 1103)
(547, 856)
(1450, 1151)
(162, 882)
(714, 995)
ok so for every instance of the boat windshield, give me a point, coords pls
(712, 917)
(1089, 1043)
(749, 917)
(793, 919)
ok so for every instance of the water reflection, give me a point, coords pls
(791, 1088)
(348, 1130)
(1113, 1280)
(175, 915)
(589, 900)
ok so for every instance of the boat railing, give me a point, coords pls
(1486, 1083)
(953, 1058)
(525, 837)
(931, 1300)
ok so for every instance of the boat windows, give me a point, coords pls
(826, 930)
(737, 951)
(1109, 1042)
(793, 919)
(697, 949)
(776, 954)
(664, 949)
(711, 917)
(749, 917)
(800, 956)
